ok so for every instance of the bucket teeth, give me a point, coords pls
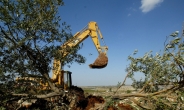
(100, 62)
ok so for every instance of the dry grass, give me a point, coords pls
(106, 91)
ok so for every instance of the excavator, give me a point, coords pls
(63, 78)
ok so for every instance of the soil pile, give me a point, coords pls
(120, 106)
(92, 100)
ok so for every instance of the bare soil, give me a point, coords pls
(102, 93)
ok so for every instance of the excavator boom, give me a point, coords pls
(93, 31)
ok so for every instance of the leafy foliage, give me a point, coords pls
(164, 78)
(162, 84)
(31, 35)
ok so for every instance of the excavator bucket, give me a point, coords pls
(100, 62)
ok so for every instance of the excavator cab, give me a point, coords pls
(67, 80)
(63, 79)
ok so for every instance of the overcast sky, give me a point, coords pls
(126, 25)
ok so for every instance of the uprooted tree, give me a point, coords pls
(31, 34)
(163, 77)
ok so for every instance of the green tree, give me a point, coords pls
(163, 77)
(31, 35)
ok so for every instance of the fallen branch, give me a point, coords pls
(139, 104)
(122, 83)
(122, 96)
(40, 96)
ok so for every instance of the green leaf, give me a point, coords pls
(170, 46)
(174, 34)
(176, 40)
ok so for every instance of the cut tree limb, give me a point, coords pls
(40, 96)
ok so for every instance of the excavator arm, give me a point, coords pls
(90, 30)
(93, 31)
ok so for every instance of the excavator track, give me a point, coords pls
(100, 62)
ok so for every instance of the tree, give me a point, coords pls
(162, 86)
(30, 37)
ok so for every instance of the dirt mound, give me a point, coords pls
(124, 106)
(77, 90)
(120, 106)
(92, 100)
(85, 103)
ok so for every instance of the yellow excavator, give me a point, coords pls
(63, 78)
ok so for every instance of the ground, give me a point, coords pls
(88, 98)
(105, 92)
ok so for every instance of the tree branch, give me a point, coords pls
(143, 95)
(139, 104)
(41, 66)
(7, 37)
(40, 96)
(122, 83)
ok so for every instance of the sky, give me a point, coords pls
(126, 25)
